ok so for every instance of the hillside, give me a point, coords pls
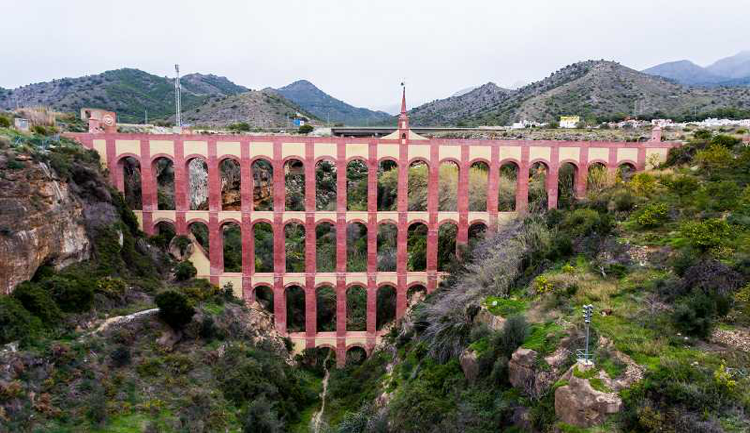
(455, 109)
(597, 90)
(257, 108)
(129, 92)
(325, 107)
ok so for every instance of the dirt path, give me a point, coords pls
(121, 319)
(318, 417)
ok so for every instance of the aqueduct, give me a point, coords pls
(399, 150)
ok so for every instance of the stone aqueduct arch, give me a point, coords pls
(403, 146)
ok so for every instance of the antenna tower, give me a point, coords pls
(177, 97)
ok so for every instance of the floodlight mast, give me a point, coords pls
(177, 97)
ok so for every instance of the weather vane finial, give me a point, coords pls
(403, 97)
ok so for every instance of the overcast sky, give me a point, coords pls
(358, 50)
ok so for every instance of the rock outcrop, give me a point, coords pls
(470, 365)
(532, 375)
(492, 321)
(577, 403)
(41, 222)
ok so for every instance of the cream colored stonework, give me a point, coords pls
(570, 153)
(598, 153)
(128, 146)
(196, 148)
(625, 154)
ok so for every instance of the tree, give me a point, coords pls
(305, 129)
(174, 309)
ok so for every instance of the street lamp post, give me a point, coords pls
(583, 355)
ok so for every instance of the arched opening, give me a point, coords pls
(416, 247)
(294, 240)
(200, 231)
(295, 309)
(479, 175)
(325, 309)
(325, 247)
(477, 233)
(294, 182)
(506, 187)
(447, 234)
(231, 180)
(416, 189)
(387, 244)
(626, 171)
(264, 297)
(131, 172)
(164, 233)
(538, 187)
(356, 185)
(356, 309)
(356, 247)
(263, 240)
(416, 294)
(232, 236)
(566, 184)
(197, 184)
(355, 356)
(325, 185)
(164, 175)
(597, 178)
(448, 186)
(386, 306)
(262, 185)
(387, 185)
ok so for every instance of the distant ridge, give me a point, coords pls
(729, 71)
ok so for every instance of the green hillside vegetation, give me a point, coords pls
(666, 255)
(196, 366)
(129, 92)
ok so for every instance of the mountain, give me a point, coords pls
(325, 107)
(598, 89)
(729, 71)
(737, 66)
(685, 72)
(129, 92)
(454, 109)
(464, 91)
(259, 108)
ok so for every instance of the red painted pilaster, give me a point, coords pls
(372, 302)
(372, 208)
(246, 176)
(279, 304)
(582, 172)
(215, 246)
(462, 237)
(341, 208)
(492, 187)
(552, 177)
(310, 315)
(522, 189)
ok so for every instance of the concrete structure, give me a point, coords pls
(569, 122)
(100, 120)
(403, 147)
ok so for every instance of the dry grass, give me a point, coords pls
(43, 116)
(591, 287)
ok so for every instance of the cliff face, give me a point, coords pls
(41, 221)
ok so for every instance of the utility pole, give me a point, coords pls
(583, 355)
(145, 117)
(177, 97)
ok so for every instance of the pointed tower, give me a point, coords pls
(403, 118)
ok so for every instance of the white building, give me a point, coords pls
(569, 122)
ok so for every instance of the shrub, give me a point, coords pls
(120, 356)
(16, 323)
(653, 215)
(696, 316)
(261, 418)
(38, 302)
(182, 242)
(4, 122)
(582, 222)
(715, 156)
(305, 129)
(725, 140)
(643, 184)
(185, 271)
(174, 308)
(72, 294)
(705, 235)
(239, 127)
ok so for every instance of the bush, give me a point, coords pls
(72, 294)
(120, 356)
(4, 122)
(305, 129)
(582, 222)
(185, 271)
(261, 418)
(16, 323)
(38, 302)
(696, 316)
(653, 215)
(174, 308)
(239, 127)
(705, 235)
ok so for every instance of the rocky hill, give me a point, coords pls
(258, 108)
(596, 90)
(129, 92)
(458, 108)
(324, 106)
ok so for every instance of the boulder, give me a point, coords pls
(469, 365)
(532, 375)
(522, 368)
(577, 403)
(495, 323)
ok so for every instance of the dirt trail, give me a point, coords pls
(318, 417)
(122, 319)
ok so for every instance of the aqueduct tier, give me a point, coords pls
(280, 175)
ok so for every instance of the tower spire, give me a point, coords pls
(403, 99)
